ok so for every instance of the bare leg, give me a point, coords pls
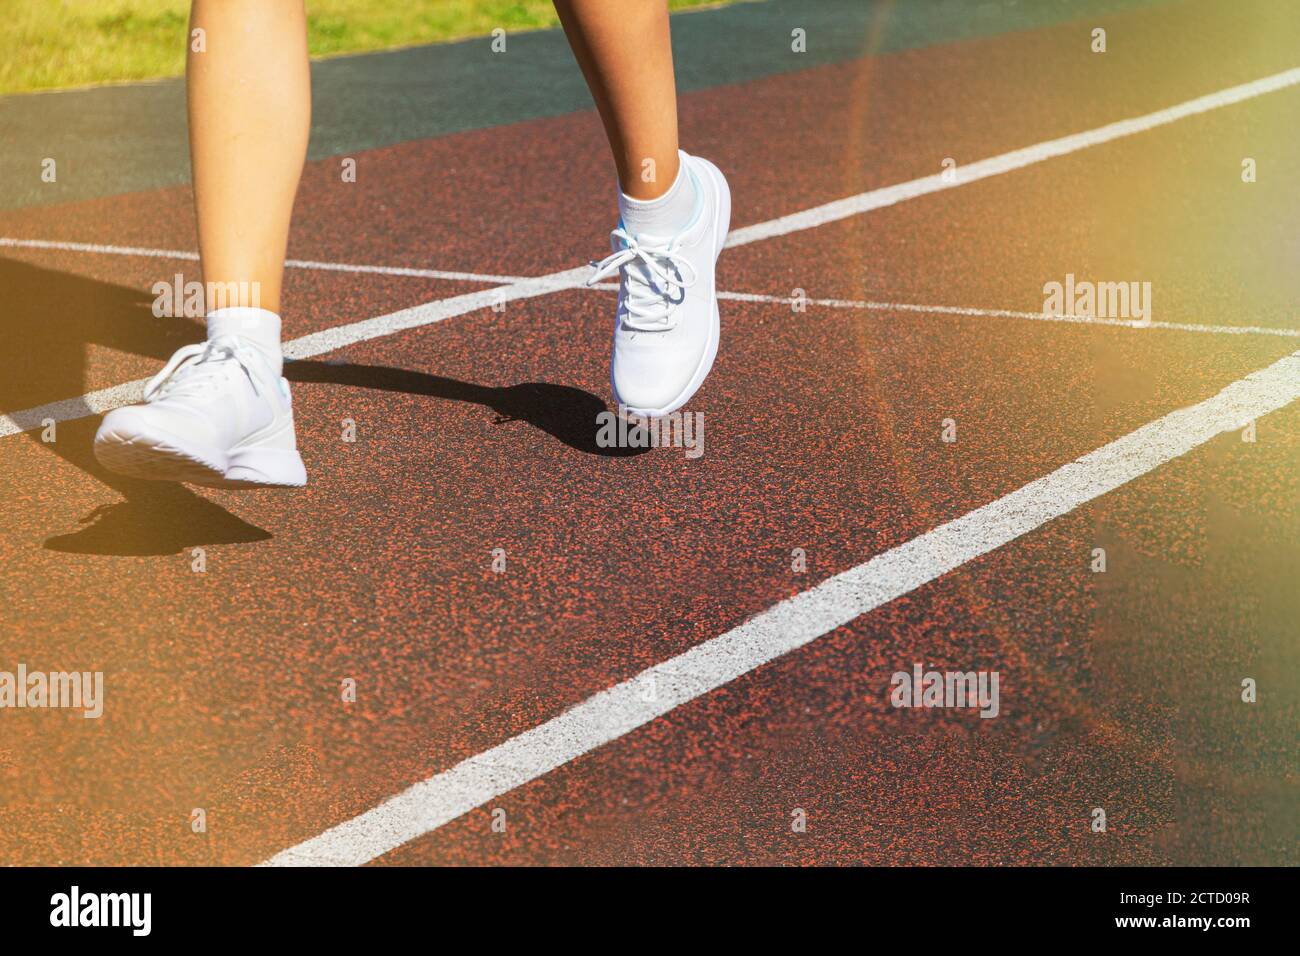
(250, 114)
(625, 54)
(674, 210)
(221, 414)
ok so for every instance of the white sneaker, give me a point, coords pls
(666, 329)
(217, 414)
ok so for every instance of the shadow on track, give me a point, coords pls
(51, 318)
(566, 413)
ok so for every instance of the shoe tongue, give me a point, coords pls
(653, 240)
(646, 289)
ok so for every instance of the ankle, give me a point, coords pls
(667, 214)
(258, 327)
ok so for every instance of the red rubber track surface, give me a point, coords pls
(822, 433)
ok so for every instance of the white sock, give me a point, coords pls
(259, 327)
(667, 215)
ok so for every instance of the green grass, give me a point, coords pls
(50, 44)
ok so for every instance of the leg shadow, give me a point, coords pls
(566, 413)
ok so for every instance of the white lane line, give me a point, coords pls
(306, 346)
(70, 409)
(1006, 162)
(791, 624)
(318, 343)
(859, 304)
(94, 247)
(808, 219)
(487, 277)
(328, 340)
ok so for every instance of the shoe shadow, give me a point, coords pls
(154, 518)
(150, 526)
(566, 413)
(52, 319)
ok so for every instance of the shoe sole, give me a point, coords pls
(160, 456)
(721, 222)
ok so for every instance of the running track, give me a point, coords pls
(475, 431)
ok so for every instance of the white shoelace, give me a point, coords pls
(653, 276)
(198, 369)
